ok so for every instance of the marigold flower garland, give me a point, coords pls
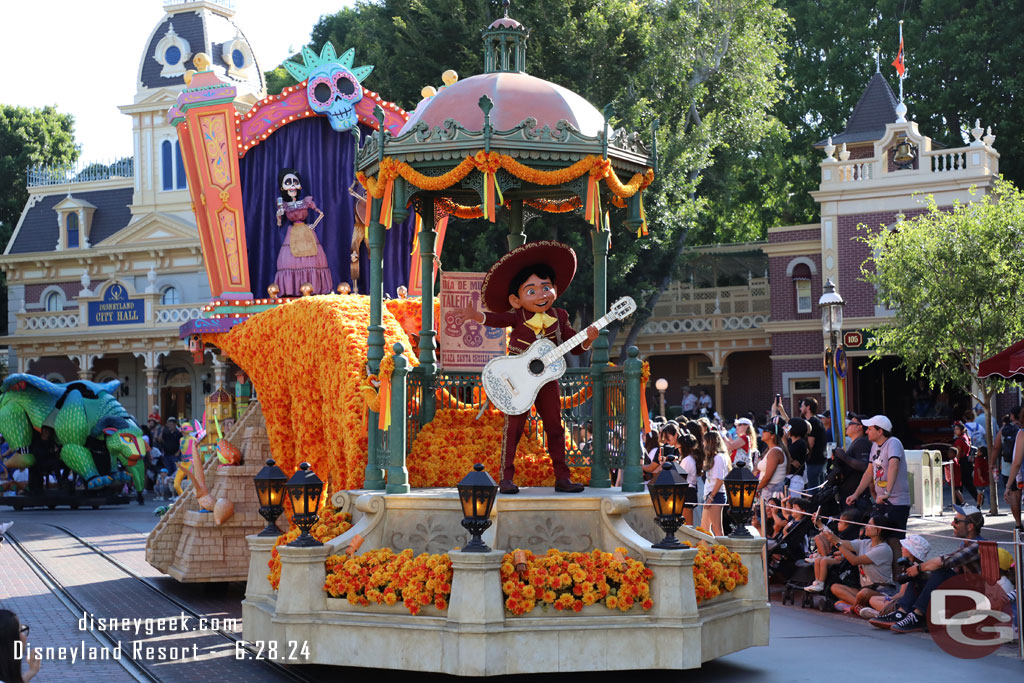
(331, 525)
(572, 581)
(388, 578)
(484, 162)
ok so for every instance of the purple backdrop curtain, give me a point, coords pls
(323, 157)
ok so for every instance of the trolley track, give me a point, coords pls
(136, 667)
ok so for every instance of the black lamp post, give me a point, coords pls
(740, 491)
(477, 492)
(270, 490)
(668, 494)
(304, 488)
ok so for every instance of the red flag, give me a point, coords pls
(898, 62)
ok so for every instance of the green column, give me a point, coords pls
(374, 474)
(516, 236)
(599, 474)
(428, 345)
(398, 473)
(632, 476)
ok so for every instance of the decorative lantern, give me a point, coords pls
(270, 490)
(740, 491)
(831, 305)
(304, 488)
(477, 492)
(668, 494)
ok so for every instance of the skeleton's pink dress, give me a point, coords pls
(301, 258)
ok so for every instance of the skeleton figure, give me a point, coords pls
(333, 85)
(301, 259)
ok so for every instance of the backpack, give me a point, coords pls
(1009, 435)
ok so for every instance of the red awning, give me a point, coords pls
(1008, 363)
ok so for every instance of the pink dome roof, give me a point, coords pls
(505, 22)
(516, 96)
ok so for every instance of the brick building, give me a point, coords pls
(746, 342)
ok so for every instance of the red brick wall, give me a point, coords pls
(859, 295)
(71, 290)
(750, 384)
(794, 235)
(783, 304)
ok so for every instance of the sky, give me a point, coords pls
(93, 49)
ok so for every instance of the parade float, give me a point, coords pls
(64, 433)
(380, 454)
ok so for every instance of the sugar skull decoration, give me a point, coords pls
(332, 84)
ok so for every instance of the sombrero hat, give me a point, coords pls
(560, 257)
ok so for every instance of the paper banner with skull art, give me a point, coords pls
(333, 86)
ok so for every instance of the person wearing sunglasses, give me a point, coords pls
(852, 462)
(11, 655)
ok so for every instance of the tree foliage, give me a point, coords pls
(29, 137)
(709, 70)
(954, 280)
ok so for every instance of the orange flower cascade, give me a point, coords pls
(384, 577)
(572, 581)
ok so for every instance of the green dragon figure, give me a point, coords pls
(76, 411)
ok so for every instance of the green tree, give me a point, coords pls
(29, 137)
(709, 70)
(954, 283)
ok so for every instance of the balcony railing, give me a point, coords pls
(71, 319)
(685, 309)
(80, 172)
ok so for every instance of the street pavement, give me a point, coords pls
(806, 645)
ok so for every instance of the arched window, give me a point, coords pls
(170, 296)
(73, 242)
(179, 168)
(53, 302)
(802, 287)
(167, 165)
(172, 166)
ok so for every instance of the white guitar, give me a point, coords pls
(512, 382)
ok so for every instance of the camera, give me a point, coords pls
(904, 563)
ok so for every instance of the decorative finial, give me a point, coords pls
(901, 111)
(977, 132)
(428, 91)
(505, 4)
(829, 150)
(450, 77)
(989, 138)
(878, 62)
(202, 61)
(844, 154)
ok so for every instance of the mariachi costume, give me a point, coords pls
(528, 327)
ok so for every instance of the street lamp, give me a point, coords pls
(740, 490)
(831, 305)
(270, 491)
(304, 488)
(661, 385)
(668, 495)
(477, 492)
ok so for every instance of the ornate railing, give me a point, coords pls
(81, 172)
(462, 389)
(48, 320)
(685, 309)
(177, 314)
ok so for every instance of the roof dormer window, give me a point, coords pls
(74, 219)
(172, 52)
(237, 56)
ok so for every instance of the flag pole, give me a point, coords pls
(901, 54)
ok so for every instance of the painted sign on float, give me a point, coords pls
(466, 345)
(117, 308)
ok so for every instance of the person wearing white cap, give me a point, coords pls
(886, 475)
(742, 445)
